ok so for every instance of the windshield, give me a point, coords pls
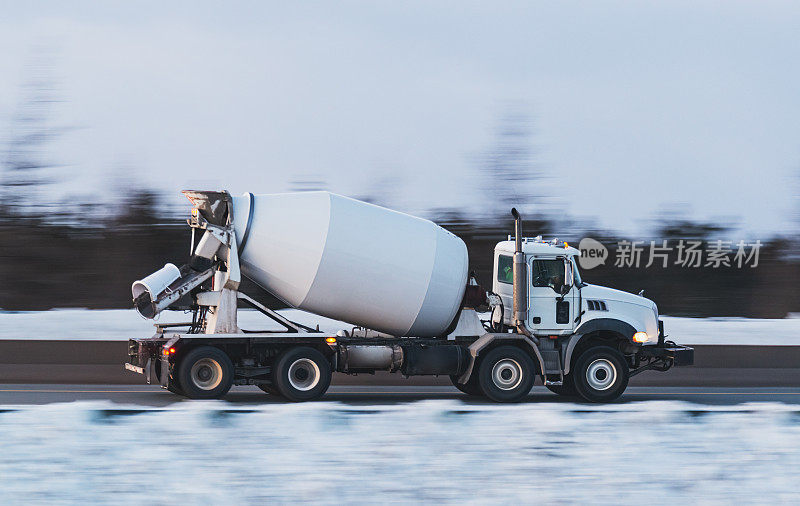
(575, 273)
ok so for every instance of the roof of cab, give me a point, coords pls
(534, 247)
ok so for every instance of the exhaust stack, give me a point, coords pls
(520, 278)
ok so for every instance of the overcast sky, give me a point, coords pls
(637, 106)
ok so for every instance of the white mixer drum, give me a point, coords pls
(352, 261)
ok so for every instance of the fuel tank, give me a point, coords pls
(352, 261)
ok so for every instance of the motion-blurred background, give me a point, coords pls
(673, 121)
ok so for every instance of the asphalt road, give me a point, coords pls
(147, 395)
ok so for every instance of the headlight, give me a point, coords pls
(640, 337)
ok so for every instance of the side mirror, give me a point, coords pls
(569, 279)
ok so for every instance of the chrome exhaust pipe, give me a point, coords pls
(520, 278)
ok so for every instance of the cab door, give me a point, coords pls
(552, 296)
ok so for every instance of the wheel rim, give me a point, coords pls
(601, 374)
(304, 374)
(206, 374)
(507, 374)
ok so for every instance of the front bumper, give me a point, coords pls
(662, 356)
(675, 353)
(680, 355)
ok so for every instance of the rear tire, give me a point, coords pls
(601, 374)
(205, 373)
(172, 380)
(506, 374)
(175, 389)
(269, 389)
(301, 374)
(471, 387)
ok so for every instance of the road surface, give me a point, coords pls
(147, 395)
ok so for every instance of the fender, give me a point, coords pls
(487, 339)
(609, 324)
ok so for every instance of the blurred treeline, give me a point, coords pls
(80, 252)
(45, 264)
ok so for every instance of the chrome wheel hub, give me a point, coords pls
(206, 374)
(507, 374)
(601, 374)
(304, 374)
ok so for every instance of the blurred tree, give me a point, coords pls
(510, 175)
(25, 168)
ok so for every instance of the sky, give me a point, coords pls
(638, 108)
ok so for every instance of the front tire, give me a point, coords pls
(471, 387)
(205, 373)
(506, 374)
(601, 374)
(301, 374)
(566, 389)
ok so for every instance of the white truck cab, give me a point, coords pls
(560, 302)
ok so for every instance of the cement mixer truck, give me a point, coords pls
(402, 286)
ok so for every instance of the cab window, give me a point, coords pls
(505, 269)
(548, 273)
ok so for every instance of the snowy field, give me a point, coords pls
(430, 451)
(122, 324)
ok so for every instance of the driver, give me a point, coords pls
(557, 282)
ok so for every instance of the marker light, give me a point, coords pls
(640, 337)
(330, 340)
(166, 351)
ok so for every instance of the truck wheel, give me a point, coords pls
(506, 374)
(175, 389)
(471, 387)
(601, 374)
(567, 389)
(268, 389)
(172, 381)
(302, 374)
(205, 373)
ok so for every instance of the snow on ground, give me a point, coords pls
(430, 451)
(122, 324)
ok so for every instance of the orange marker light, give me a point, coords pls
(330, 340)
(640, 337)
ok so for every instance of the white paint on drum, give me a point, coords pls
(352, 261)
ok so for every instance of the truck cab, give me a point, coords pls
(559, 301)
